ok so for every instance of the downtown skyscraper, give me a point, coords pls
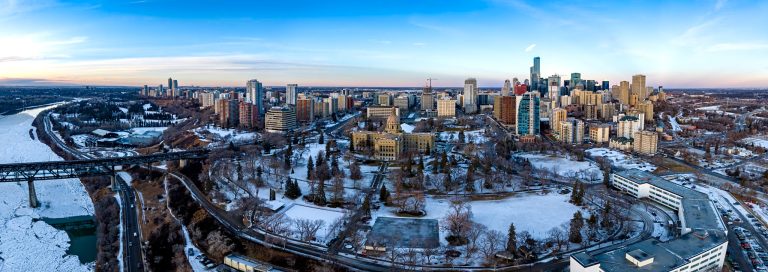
(255, 94)
(535, 74)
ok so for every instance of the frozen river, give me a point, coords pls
(26, 242)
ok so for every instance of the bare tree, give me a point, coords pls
(473, 237)
(492, 243)
(458, 221)
(307, 229)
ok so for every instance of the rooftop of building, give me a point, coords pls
(699, 214)
(628, 118)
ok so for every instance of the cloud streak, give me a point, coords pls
(530, 48)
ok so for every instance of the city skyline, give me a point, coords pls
(677, 45)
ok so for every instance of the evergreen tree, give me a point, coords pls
(320, 198)
(384, 195)
(592, 221)
(470, 182)
(435, 165)
(512, 240)
(428, 151)
(577, 223)
(575, 194)
(321, 140)
(310, 168)
(606, 222)
(461, 136)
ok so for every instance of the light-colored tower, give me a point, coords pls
(470, 95)
(290, 94)
(638, 87)
(255, 93)
(507, 87)
(624, 92)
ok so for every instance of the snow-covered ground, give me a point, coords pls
(756, 141)
(565, 167)
(226, 135)
(26, 242)
(619, 159)
(407, 128)
(533, 212)
(327, 215)
(471, 136)
(142, 130)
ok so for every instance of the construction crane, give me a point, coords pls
(430, 82)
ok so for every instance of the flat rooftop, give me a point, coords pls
(404, 233)
(699, 214)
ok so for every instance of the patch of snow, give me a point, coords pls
(621, 160)
(585, 170)
(407, 128)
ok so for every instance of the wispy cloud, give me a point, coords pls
(693, 34)
(719, 4)
(419, 44)
(530, 48)
(746, 46)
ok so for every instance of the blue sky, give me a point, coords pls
(716, 43)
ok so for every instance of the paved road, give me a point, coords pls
(133, 254)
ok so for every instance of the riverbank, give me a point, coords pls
(26, 241)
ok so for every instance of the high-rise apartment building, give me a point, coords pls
(446, 108)
(305, 110)
(600, 133)
(249, 115)
(255, 94)
(572, 131)
(504, 109)
(558, 115)
(381, 113)
(385, 99)
(527, 109)
(647, 108)
(280, 120)
(207, 99)
(470, 95)
(290, 94)
(645, 142)
(576, 80)
(228, 112)
(627, 126)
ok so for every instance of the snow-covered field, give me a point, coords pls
(407, 128)
(756, 141)
(534, 213)
(25, 242)
(620, 159)
(225, 135)
(327, 215)
(565, 167)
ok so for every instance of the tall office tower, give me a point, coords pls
(305, 110)
(553, 88)
(571, 131)
(175, 86)
(170, 83)
(606, 85)
(624, 92)
(290, 94)
(280, 120)
(504, 109)
(470, 95)
(576, 80)
(249, 115)
(507, 87)
(535, 73)
(527, 108)
(385, 99)
(638, 87)
(160, 90)
(255, 94)
(591, 86)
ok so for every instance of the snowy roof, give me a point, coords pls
(100, 132)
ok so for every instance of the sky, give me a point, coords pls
(677, 44)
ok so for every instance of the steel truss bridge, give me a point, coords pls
(18, 172)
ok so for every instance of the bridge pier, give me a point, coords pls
(33, 203)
